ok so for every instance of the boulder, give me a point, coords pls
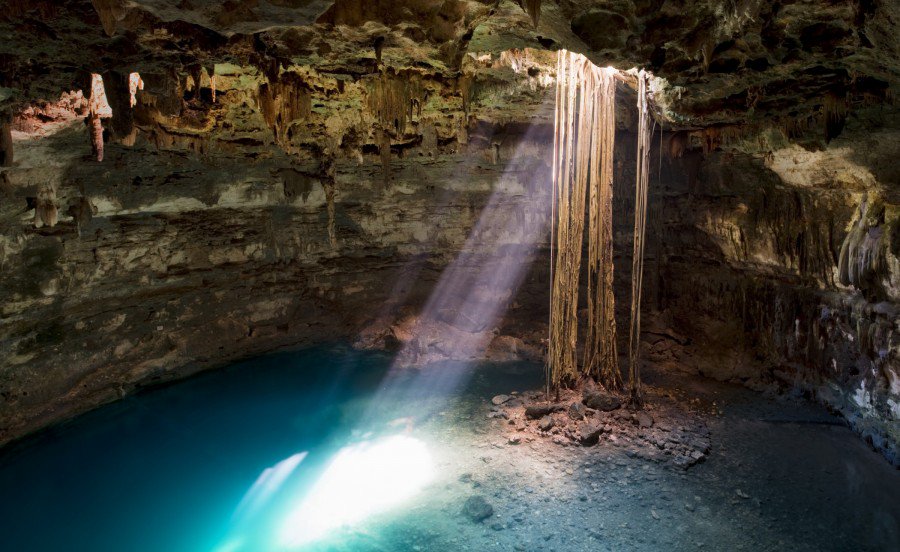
(546, 423)
(477, 509)
(643, 419)
(500, 399)
(590, 434)
(577, 411)
(537, 411)
(601, 400)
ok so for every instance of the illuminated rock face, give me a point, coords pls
(330, 158)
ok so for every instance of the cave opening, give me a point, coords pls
(356, 275)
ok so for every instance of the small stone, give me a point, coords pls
(546, 423)
(515, 440)
(500, 399)
(654, 514)
(477, 509)
(576, 411)
(643, 419)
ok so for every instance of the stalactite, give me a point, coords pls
(6, 143)
(640, 224)
(379, 48)
(110, 12)
(862, 255)
(384, 151)
(465, 84)
(329, 198)
(46, 212)
(394, 99)
(284, 101)
(98, 108)
(678, 143)
(429, 138)
(135, 83)
(462, 132)
(328, 183)
(533, 7)
(601, 357)
(82, 211)
(495, 153)
(584, 129)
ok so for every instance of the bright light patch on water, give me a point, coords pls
(265, 487)
(362, 480)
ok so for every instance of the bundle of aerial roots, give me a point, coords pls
(583, 145)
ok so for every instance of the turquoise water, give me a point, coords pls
(166, 470)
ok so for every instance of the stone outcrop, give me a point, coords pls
(784, 265)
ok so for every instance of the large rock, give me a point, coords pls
(536, 411)
(590, 434)
(601, 400)
(477, 509)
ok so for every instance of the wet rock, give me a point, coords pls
(477, 509)
(601, 400)
(500, 399)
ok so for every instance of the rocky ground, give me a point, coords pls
(706, 466)
(667, 431)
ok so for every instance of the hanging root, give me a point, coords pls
(640, 224)
(584, 133)
(600, 354)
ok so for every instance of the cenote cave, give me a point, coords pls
(440, 275)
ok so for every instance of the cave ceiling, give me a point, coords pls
(723, 62)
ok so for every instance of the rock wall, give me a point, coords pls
(783, 269)
(303, 170)
(216, 232)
